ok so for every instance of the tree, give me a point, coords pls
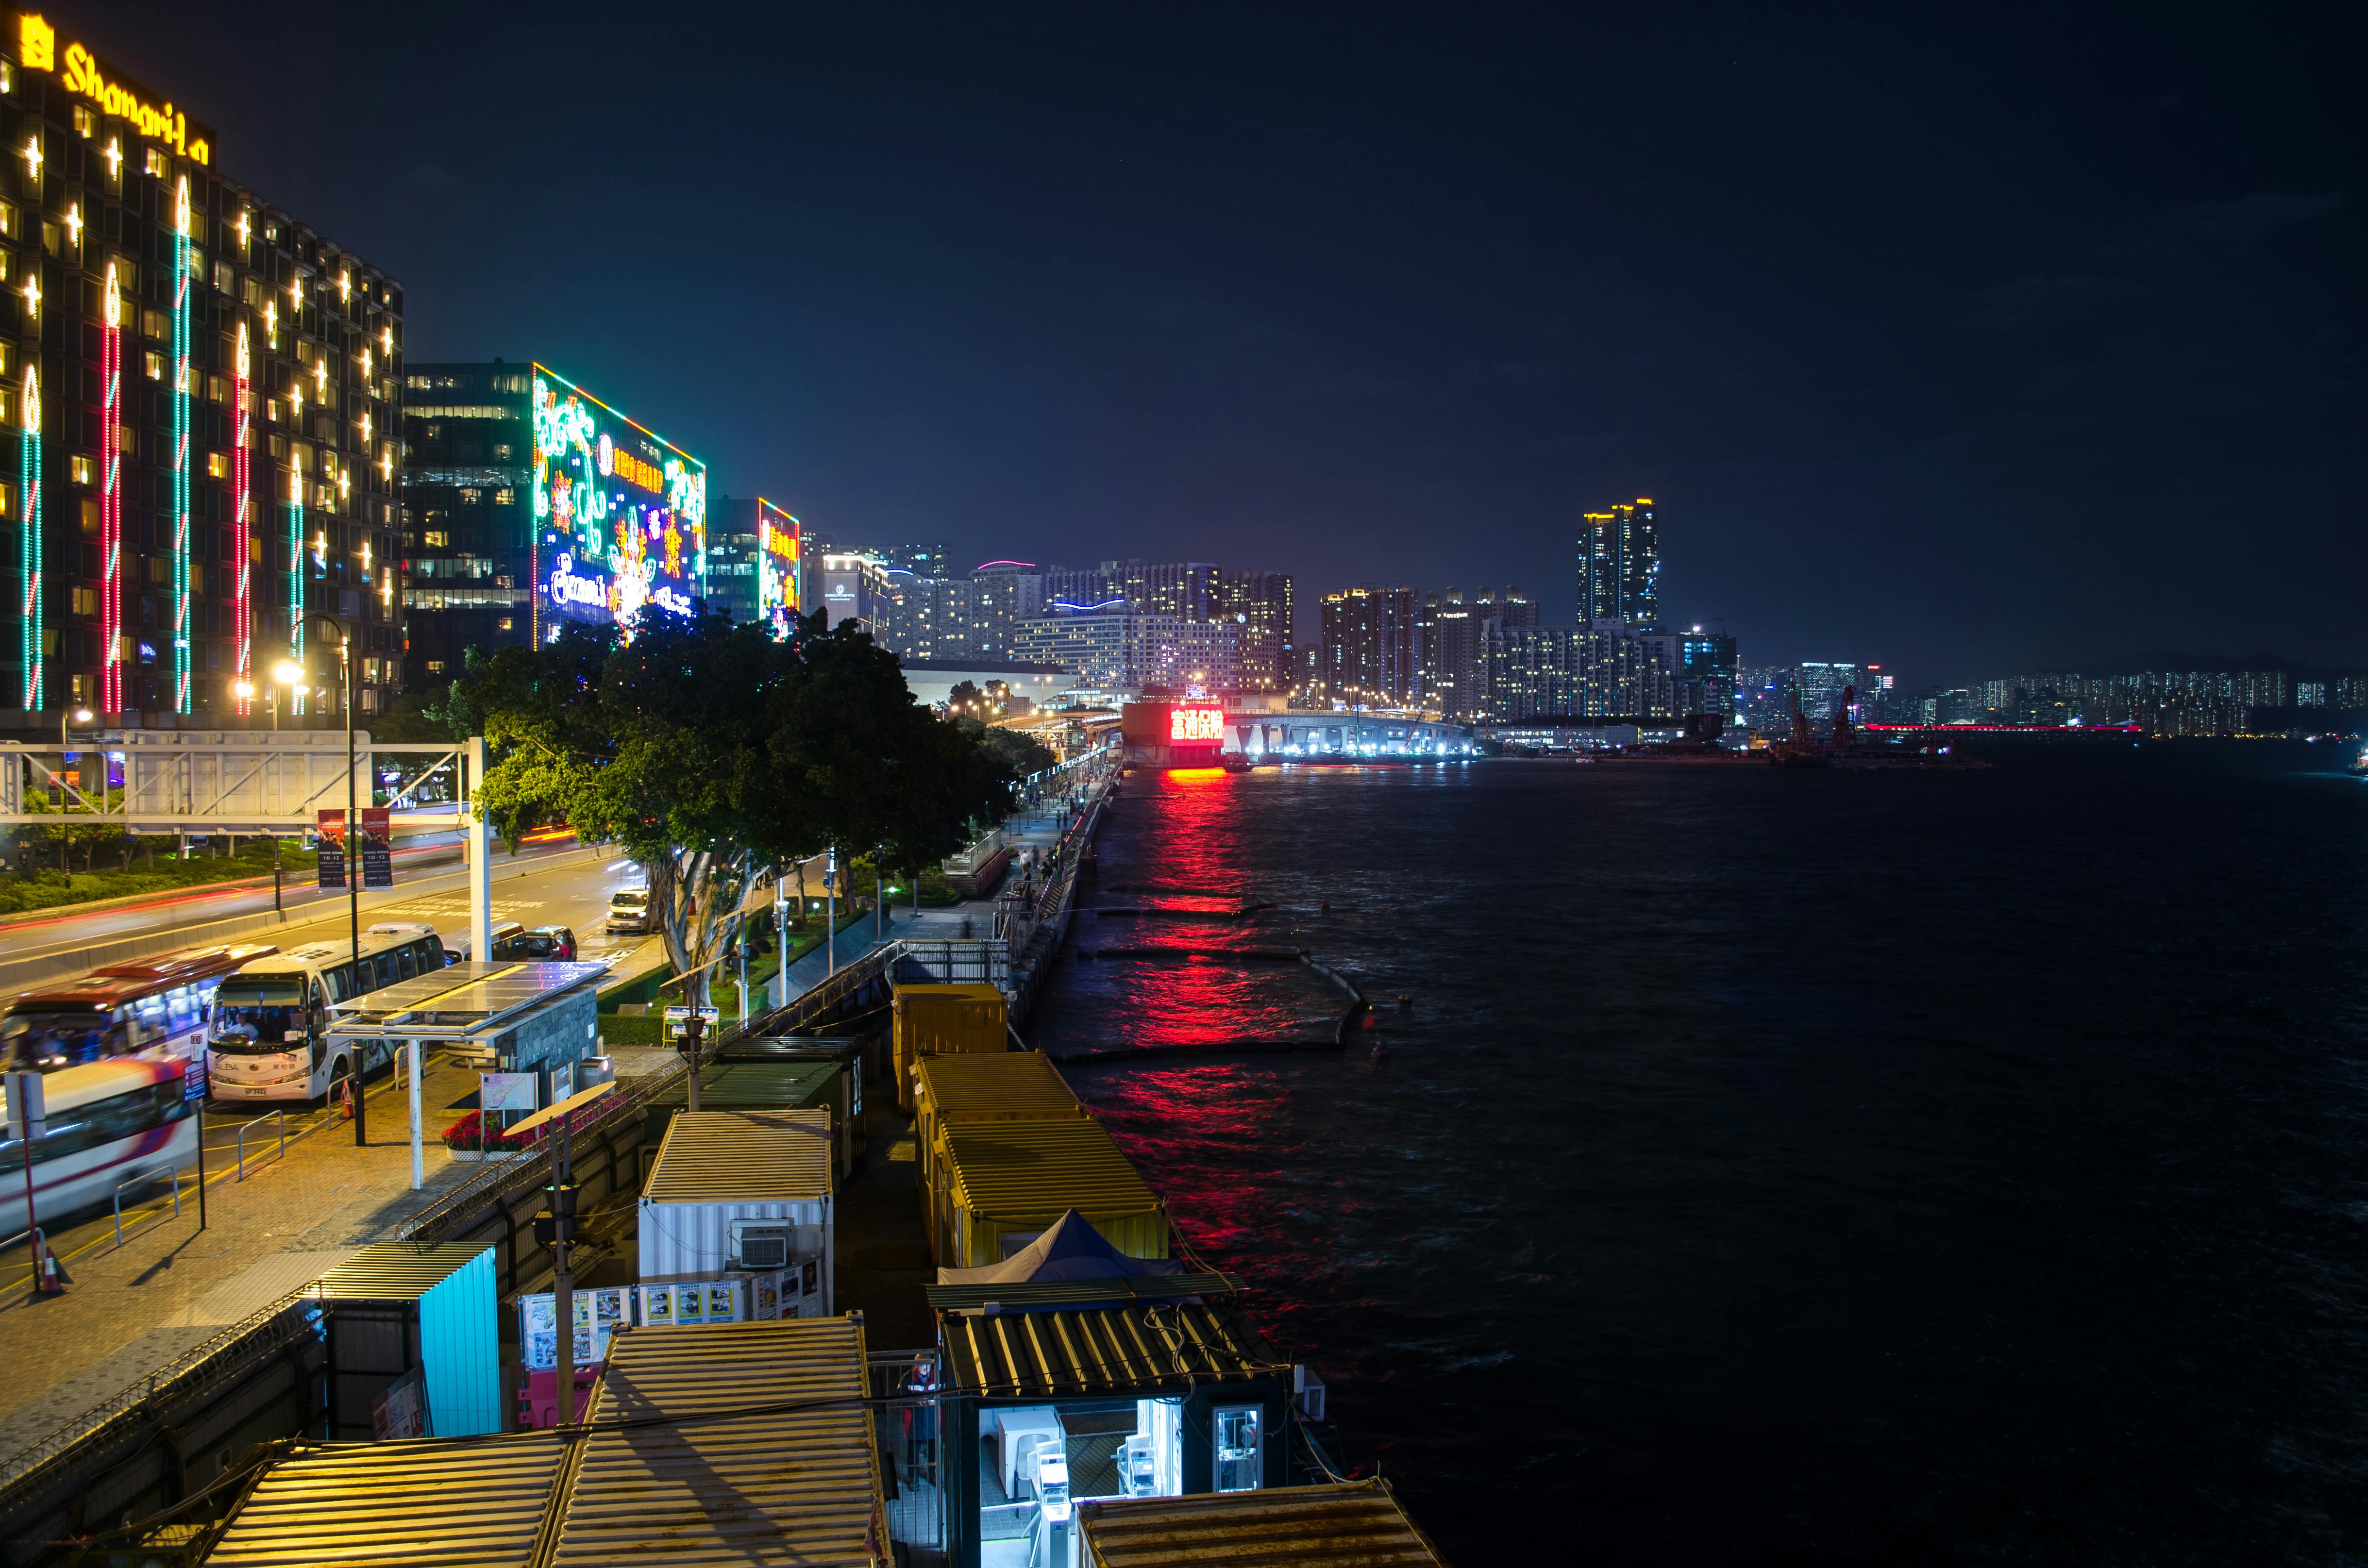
(1022, 753)
(710, 753)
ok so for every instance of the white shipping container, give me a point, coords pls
(740, 1193)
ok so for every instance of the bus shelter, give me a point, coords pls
(507, 1017)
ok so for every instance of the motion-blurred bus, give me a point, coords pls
(105, 1122)
(153, 1008)
(269, 1037)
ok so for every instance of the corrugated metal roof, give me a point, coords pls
(1356, 1524)
(982, 1083)
(419, 1505)
(972, 993)
(1006, 1169)
(1031, 1294)
(797, 1487)
(396, 1271)
(1100, 1350)
(723, 1156)
(782, 1082)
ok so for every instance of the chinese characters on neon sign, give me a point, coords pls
(1196, 724)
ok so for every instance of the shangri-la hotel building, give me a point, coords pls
(201, 421)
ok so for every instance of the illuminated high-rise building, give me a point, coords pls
(1366, 649)
(530, 503)
(206, 395)
(1259, 603)
(1620, 567)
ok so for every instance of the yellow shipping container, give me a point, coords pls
(1018, 1085)
(935, 1020)
(1004, 1183)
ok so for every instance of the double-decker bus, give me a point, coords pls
(105, 1123)
(269, 1037)
(153, 1008)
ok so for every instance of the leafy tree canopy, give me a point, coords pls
(710, 752)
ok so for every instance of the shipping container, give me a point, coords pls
(740, 1193)
(413, 1342)
(939, 1020)
(1017, 1086)
(787, 1083)
(1005, 1183)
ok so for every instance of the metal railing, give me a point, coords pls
(146, 1178)
(909, 1425)
(246, 1127)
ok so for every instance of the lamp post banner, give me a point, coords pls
(378, 853)
(330, 827)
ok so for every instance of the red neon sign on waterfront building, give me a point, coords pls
(1197, 725)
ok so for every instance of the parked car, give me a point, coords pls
(503, 931)
(629, 910)
(537, 942)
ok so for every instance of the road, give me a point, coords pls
(576, 894)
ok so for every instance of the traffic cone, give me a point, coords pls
(50, 1279)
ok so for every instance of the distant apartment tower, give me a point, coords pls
(1706, 673)
(1261, 604)
(1820, 688)
(1620, 567)
(1117, 650)
(1570, 673)
(1367, 652)
(1455, 679)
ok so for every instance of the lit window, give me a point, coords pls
(153, 363)
(437, 539)
(156, 164)
(82, 469)
(218, 465)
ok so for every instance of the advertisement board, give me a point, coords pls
(329, 829)
(780, 541)
(619, 515)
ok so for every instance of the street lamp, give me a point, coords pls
(78, 716)
(289, 673)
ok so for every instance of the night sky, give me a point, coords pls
(1962, 342)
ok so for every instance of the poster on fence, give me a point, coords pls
(599, 1314)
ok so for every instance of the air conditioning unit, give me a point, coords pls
(759, 1245)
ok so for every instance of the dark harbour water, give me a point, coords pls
(1847, 1167)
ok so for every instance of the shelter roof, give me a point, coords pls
(1353, 1524)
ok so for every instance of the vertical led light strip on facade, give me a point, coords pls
(181, 447)
(242, 503)
(296, 564)
(111, 499)
(29, 475)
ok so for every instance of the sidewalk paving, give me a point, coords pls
(171, 1287)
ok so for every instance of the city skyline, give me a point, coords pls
(1862, 403)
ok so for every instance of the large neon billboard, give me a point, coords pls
(1196, 724)
(779, 552)
(619, 515)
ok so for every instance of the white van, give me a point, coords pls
(629, 910)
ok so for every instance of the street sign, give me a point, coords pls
(676, 1017)
(25, 1104)
(506, 1091)
(329, 827)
